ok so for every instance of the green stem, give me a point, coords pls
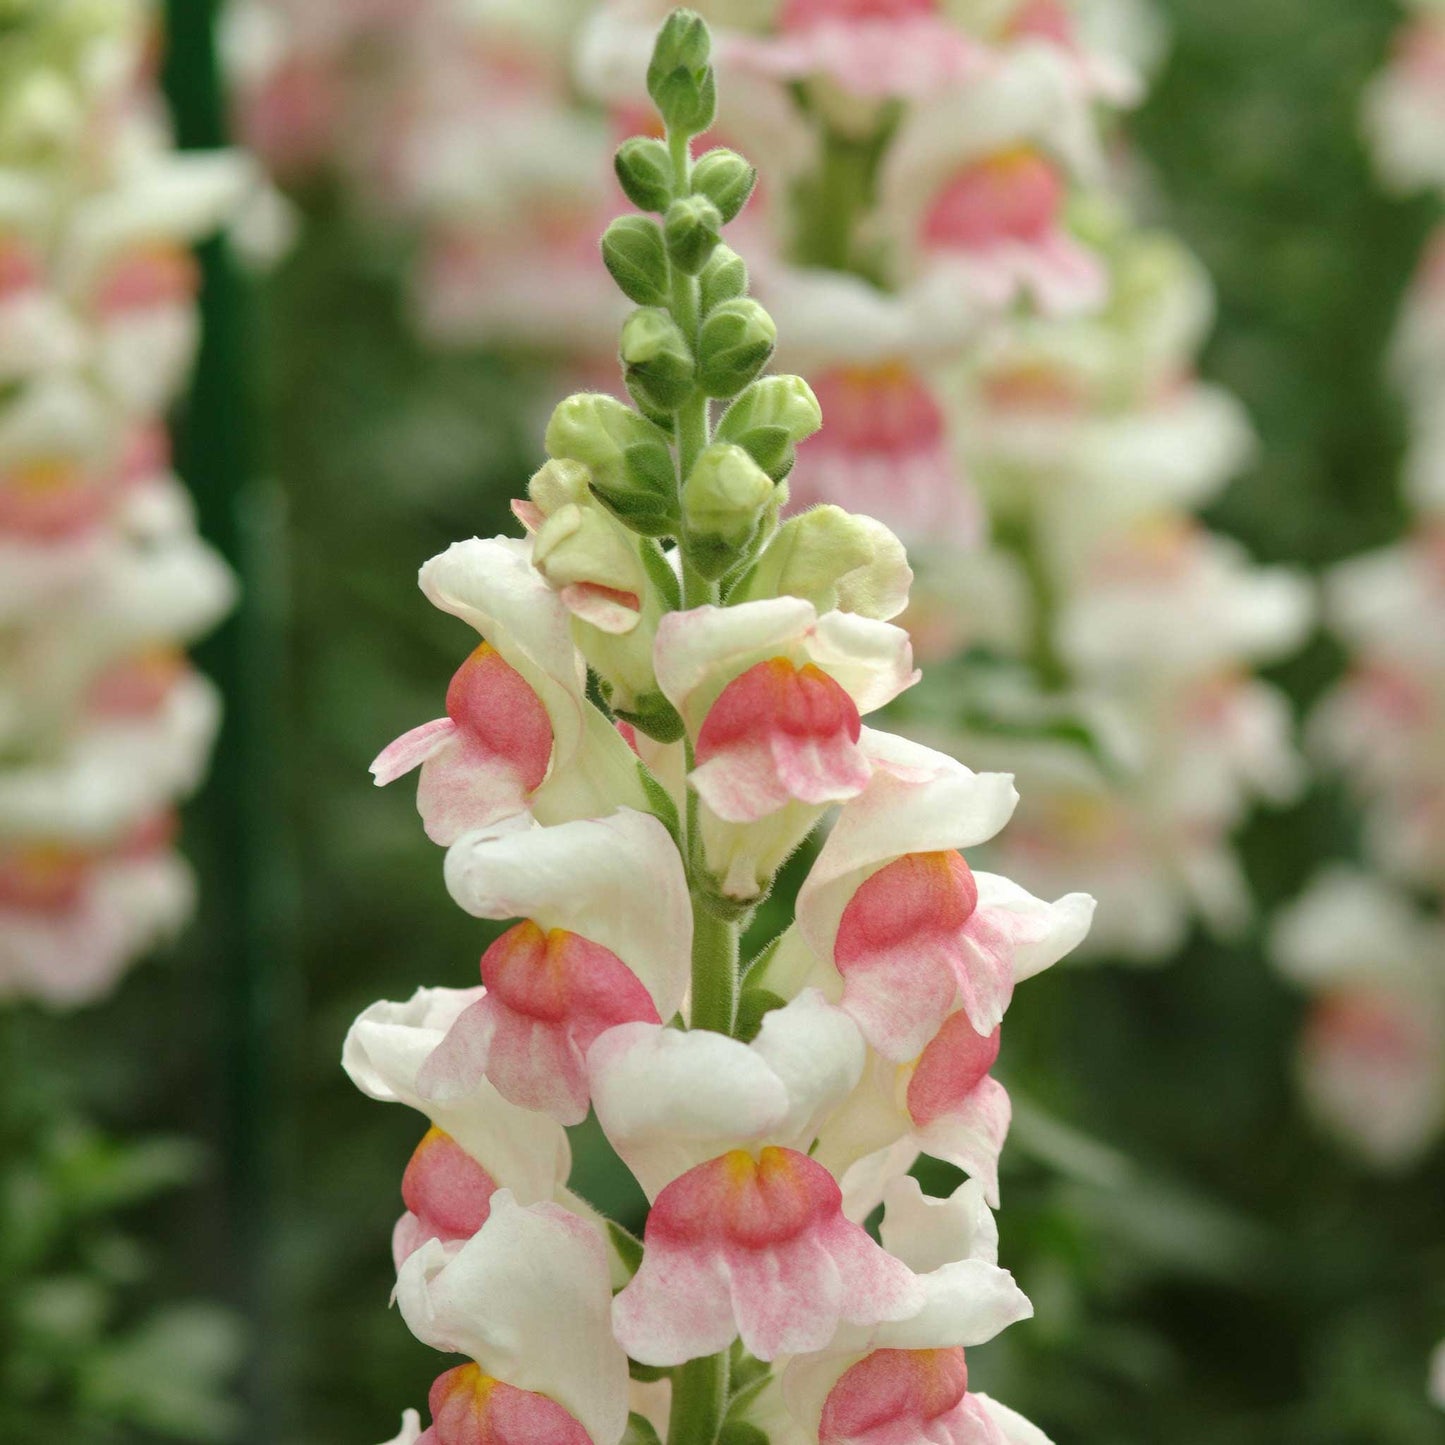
(692, 425)
(699, 1396)
(714, 970)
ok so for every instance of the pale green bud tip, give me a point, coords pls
(631, 465)
(557, 484)
(656, 360)
(724, 278)
(644, 171)
(634, 253)
(770, 418)
(726, 179)
(691, 231)
(679, 78)
(725, 493)
(583, 544)
(736, 341)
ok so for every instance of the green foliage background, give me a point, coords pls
(1204, 1265)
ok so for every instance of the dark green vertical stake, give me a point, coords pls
(238, 833)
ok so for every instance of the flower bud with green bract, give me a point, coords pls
(726, 179)
(631, 464)
(724, 501)
(691, 229)
(769, 419)
(656, 361)
(736, 341)
(634, 253)
(557, 483)
(833, 559)
(679, 78)
(644, 171)
(724, 278)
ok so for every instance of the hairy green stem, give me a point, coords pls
(714, 970)
(699, 1397)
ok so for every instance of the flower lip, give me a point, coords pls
(469, 1407)
(889, 1389)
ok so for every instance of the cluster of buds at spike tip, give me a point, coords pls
(765, 1112)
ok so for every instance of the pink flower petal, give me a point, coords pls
(779, 733)
(549, 996)
(470, 1408)
(760, 1248)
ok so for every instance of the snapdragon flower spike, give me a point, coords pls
(606, 941)
(520, 734)
(893, 923)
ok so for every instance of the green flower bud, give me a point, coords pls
(656, 362)
(832, 558)
(691, 230)
(723, 499)
(724, 278)
(558, 484)
(583, 545)
(679, 77)
(769, 419)
(633, 250)
(726, 179)
(736, 341)
(644, 171)
(631, 464)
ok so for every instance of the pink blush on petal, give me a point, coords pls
(779, 733)
(756, 1247)
(893, 1395)
(470, 1408)
(446, 1189)
(950, 1069)
(1014, 196)
(549, 996)
(494, 706)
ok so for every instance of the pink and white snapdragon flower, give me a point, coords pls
(624, 835)
(104, 725)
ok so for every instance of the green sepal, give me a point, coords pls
(636, 257)
(654, 716)
(690, 229)
(686, 100)
(661, 575)
(724, 278)
(754, 1005)
(662, 803)
(679, 78)
(736, 340)
(771, 448)
(743, 1432)
(626, 1245)
(656, 360)
(644, 171)
(725, 178)
(640, 1431)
